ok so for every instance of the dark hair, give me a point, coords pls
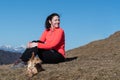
(47, 24)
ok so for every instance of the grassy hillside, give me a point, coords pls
(98, 60)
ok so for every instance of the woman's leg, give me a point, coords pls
(28, 53)
(50, 56)
(25, 57)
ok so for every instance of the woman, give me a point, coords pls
(50, 48)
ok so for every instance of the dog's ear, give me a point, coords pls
(38, 60)
(33, 56)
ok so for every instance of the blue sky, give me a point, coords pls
(83, 21)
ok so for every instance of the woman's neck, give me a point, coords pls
(52, 28)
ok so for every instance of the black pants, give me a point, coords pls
(47, 56)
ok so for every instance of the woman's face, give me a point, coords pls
(55, 22)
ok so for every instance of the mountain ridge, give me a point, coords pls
(19, 49)
(7, 57)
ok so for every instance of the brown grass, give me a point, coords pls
(98, 60)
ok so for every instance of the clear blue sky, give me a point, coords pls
(83, 20)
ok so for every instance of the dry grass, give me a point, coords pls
(98, 60)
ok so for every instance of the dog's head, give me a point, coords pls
(34, 65)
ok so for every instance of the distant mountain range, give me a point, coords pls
(19, 49)
(7, 57)
(9, 54)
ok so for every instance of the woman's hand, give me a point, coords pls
(32, 44)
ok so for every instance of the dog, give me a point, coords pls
(34, 66)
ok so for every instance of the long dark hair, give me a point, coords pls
(47, 24)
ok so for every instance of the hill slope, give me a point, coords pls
(98, 60)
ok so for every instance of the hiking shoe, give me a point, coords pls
(18, 64)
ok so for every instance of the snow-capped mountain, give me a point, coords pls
(19, 49)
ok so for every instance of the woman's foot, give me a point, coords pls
(18, 64)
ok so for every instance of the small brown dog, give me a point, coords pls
(34, 66)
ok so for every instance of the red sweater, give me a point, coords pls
(53, 40)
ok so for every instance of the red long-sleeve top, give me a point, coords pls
(53, 39)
